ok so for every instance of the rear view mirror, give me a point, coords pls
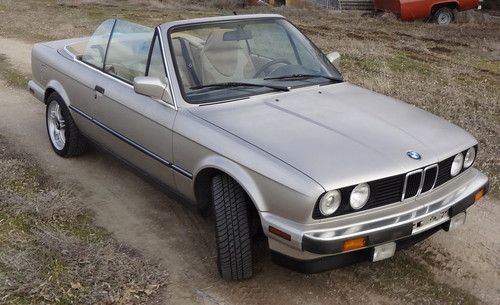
(334, 58)
(149, 86)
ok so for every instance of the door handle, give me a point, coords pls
(99, 89)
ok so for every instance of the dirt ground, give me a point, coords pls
(54, 253)
(461, 267)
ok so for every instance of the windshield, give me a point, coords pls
(230, 60)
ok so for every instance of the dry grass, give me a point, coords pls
(452, 71)
(50, 251)
(11, 75)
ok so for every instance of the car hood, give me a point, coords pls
(339, 134)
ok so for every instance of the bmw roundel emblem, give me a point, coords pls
(414, 155)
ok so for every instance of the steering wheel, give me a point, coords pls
(270, 64)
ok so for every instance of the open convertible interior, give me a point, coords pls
(243, 51)
(255, 52)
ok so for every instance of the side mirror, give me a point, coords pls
(150, 86)
(334, 58)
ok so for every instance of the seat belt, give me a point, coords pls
(189, 62)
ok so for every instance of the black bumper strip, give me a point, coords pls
(344, 259)
(467, 202)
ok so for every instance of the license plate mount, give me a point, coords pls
(430, 221)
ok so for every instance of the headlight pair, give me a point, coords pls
(460, 162)
(359, 195)
(330, 201)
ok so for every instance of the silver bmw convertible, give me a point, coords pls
(247, 119)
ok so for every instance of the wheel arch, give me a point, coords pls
(451, 4)
(218, 165)
(55, 86)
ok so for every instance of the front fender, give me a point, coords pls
(272, 184)
(268, 195)
(238, 173)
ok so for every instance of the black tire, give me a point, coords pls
(232, 229)
(443, 15)
(75, 143)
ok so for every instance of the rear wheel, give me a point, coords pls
(443, 15)
(232, 229)
(64, 136)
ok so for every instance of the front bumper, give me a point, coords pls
(335, 261)
(398, 221)
(37, 91)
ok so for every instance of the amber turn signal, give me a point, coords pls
(353, 244)
(279, 233)
(479, 195)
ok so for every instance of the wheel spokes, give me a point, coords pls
(56, 125)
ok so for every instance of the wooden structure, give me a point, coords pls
(290, 3)
(366, 5)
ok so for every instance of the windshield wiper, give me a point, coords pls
(240, 84)
(299, 76)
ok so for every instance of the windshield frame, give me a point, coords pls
(193, 25)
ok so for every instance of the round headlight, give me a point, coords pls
(470, 155)
(330, 202)
(457, 164)
(359, 196)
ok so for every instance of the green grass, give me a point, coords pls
(27, 182)
(368, 64)
(56, 269)
(20, 300)
(10, 223)
(83, 228)
(403, 62)
(484, 65)
(23, 224)
(11, 75)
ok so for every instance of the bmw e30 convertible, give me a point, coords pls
(245, 118)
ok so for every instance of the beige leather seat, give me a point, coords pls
(224, 61)
(187, 79)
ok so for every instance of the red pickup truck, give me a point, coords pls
(441, 11)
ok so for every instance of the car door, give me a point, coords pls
(80, 77)
(135, 127)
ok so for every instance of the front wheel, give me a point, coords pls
(443, 16)
(232, 229)
(64, 136)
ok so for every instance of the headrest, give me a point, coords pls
(215, 42)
